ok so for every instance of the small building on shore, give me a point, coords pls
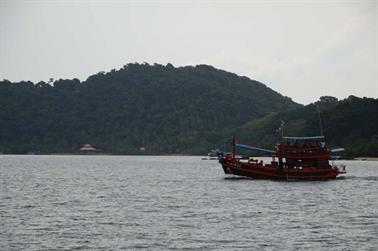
(87, 148)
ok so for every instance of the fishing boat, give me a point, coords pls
(294, 158)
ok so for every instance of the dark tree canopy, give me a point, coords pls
(351, 123)
(161, 109)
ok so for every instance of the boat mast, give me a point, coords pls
(233, 147)
(282, 128)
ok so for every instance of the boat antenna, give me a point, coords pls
(282, 128)
(320, 121)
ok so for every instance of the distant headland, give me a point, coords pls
(161, 109)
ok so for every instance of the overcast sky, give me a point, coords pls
(302, 49)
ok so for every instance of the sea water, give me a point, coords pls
(176, 203)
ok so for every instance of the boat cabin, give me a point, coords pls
(302, 152)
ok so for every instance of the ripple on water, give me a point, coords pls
(178, 203)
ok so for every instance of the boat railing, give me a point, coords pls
(304, 151)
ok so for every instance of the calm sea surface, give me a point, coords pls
(177, 203)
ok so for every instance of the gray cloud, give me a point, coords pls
(299, 48)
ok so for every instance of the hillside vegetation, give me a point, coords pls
(156, 109)
(161, 109)
(351, 123)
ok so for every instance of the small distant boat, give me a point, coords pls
(209, 158)
(215, 154)
(294, 158)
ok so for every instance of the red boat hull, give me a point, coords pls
(272, 171)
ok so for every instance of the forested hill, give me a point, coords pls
(161, 109)
(351, 123)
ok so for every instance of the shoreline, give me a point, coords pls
(366, 158)
(173, 155)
